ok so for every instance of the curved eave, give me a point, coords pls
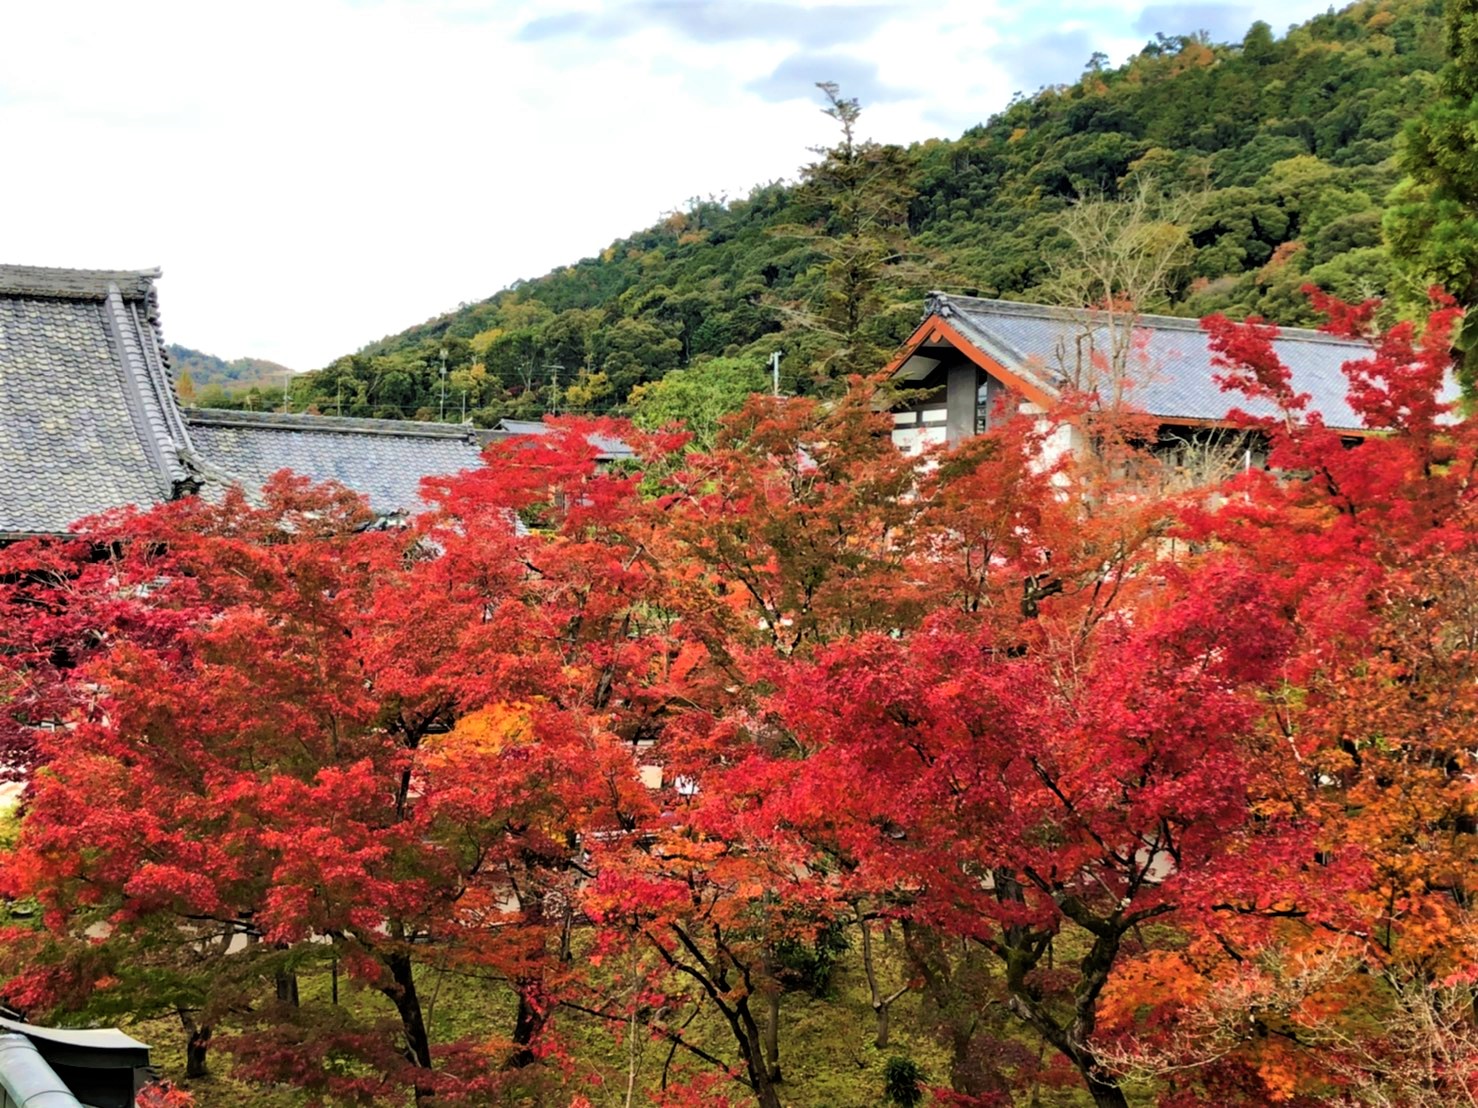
(936, 329)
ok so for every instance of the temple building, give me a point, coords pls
(972, 358)
(89, 419)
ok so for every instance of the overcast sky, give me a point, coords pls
(314, 174)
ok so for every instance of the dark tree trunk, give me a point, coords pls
(772, 1036)
(413, 1023)
(753, 1044)
(526, 1026)
(1105, 1094)
(1072, 1039)
(751, 1039)
(760, 1075)
(287, 983)
(197, 1044)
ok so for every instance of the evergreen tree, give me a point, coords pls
(857, 200)
(1432, 224)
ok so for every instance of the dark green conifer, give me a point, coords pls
(1432, 223)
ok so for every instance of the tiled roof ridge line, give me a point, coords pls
(327, 424)
(115, 319)
(63, 283)
(156, 372)
(943, 304)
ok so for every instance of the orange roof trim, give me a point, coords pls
(936, 329)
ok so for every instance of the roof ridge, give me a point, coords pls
(344, 425)
(59, 283)
(149, 408)
(1160, 322)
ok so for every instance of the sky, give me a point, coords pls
(314, 174)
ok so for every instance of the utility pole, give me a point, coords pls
(442, 417)
(554, 388)
(287, 380)
(775, 371)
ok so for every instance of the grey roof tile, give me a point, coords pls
(383, 459)
(89, 419)
(71, 444)
(75, 284)
(609, 446)
(1170, 371)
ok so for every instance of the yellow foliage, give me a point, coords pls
(481, 341)
(1278, 1071)
(1160, 977)
(489, 730)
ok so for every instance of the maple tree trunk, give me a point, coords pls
(287, 987)
(761, 1077)
(408, 1003)
(880, 1004)
(772, 1036)
(1095, 968)
(287, 983)
(752, 1044)
(1072, 1039)
(963, 1077)
(526, 1025)
(1105, 1094)
(197, 1044)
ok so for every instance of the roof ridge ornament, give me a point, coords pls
(937, 303)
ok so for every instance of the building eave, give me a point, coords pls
(936, 329)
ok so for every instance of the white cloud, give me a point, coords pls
(313, 174)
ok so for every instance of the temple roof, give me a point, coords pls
(1166, 362)
(609, 447)
(88, 419)
(384, 459)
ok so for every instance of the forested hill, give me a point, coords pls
(1284, 144)
(204, 378)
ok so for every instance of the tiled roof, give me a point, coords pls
(89, 420)
(384, 459)
(609, 447)
(87, 416)
(75, 284)
(1169, 370)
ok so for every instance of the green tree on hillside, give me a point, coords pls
(1432, 224)
(856, 200)
(698, 397)
(1287, 141)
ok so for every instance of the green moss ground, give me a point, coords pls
(827, 1052)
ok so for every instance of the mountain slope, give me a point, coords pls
(1285, 143)
(207, 372)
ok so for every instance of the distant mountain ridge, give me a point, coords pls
(239, 374)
